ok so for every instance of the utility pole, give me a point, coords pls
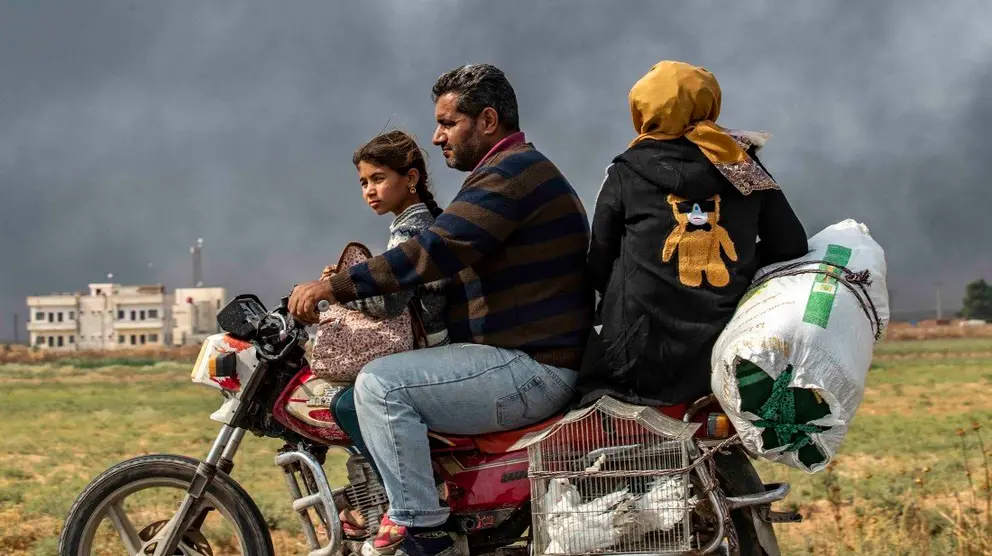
(940, 309)
(196, 252)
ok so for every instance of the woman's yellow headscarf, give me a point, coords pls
(676, 99)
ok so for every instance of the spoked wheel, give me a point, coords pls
(126, 508)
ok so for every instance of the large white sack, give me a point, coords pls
(814, 324)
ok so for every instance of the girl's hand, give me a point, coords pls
(328, 272)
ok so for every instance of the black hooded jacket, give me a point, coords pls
(674, 247)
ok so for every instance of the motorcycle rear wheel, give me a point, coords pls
(98, 499)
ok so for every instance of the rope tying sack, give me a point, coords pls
(856, 282)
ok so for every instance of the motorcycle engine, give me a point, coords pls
(365, 493)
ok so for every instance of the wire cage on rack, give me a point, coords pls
(611, 479)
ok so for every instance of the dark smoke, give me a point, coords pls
(127, 130)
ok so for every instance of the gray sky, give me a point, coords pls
(129, 129)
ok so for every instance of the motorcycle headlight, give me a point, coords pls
(204, 349)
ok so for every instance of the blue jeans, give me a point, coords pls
(461, 389)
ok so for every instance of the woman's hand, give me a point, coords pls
(328, 271)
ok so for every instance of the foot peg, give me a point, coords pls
(769, 516)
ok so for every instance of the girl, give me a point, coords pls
(392, 171)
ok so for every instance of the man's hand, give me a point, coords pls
(303, 301)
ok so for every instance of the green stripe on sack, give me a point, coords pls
(824, 291)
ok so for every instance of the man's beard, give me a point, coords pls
(468, 157)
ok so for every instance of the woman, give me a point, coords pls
(392, 171)
(675, 240)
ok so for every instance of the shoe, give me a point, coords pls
(428, 541)
(389, 537)
(353, 525)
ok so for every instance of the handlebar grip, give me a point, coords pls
(323, 305)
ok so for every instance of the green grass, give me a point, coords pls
(952, 345)
(111, 362)
(900, 465)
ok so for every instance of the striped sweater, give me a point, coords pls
(514, 239)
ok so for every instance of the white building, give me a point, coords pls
(112, 316)
(108, 316)
(53, 322)
(195, 314)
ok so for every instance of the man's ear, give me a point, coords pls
(489, 120)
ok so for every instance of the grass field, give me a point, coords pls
(912, 477)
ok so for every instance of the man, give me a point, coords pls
(514, 239)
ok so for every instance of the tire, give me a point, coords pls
(231, 499)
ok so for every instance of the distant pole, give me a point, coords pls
(940, 309)
(196, 251)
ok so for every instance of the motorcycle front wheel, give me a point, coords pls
(242, 529)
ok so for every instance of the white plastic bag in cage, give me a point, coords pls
(790, 367)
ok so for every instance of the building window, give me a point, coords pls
(120, 315)
(142, 339)
(51, 317)
(98, 291)
(134, 315)
(39, 340)
(51, 341)
(141, 315)
(60, 316)
(153, 338)
(72, 339)
(60, 341)
(72, 315)
(120, 339)
(153, 313)
(39, 316)
(134, 340)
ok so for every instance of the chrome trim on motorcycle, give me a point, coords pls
(697, 406)
(233, 444)
(220, 444)
(773, 493)
(322, 500)
(715, 493)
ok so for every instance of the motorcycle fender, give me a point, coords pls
(226, 412)
(738, 477)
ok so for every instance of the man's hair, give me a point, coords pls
(479, 86)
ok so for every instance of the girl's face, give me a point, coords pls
(385, 189)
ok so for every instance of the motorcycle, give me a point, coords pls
(259, 366)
